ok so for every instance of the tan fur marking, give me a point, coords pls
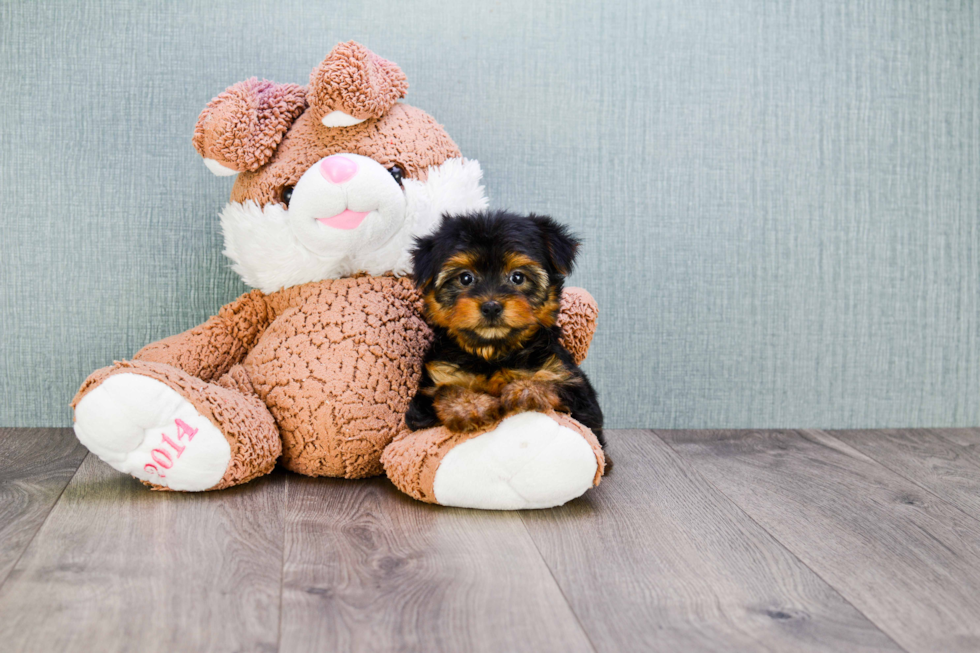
(464, 410)
(456, 263)
(519, 320)
(526, 395)
(460, 260)
(514, 260)
(443, 374)
(547, 313)
(435, 311)
(553, 371)
(518, 313)
(492, 333)
(465, 315)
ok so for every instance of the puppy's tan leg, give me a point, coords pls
(526, 395)
(462, 410)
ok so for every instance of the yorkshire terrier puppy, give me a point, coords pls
(492, 283)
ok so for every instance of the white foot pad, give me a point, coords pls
(142, 427)
(528, 461)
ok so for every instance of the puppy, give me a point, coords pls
(492, 284)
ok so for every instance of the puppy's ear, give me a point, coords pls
(424, 265)
(560, 245)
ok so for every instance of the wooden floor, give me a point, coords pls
(698, 541)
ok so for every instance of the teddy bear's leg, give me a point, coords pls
(172, 430)
(528, 460)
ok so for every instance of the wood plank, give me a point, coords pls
(655, 559)
(35, 467)
(905, 558)
(369, 569)
(930, 458)
(117, 567)
(967, 438)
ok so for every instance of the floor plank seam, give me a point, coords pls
(43, 522)
(902, 475)
(561, 591)
(720, 550)
(778, 541)
(282, 566)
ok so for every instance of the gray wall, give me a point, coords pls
(779, 199)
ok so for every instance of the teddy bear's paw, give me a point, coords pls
(143, 427)
(528, 461)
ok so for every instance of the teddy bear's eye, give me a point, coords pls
(287, 194)
(397, 173)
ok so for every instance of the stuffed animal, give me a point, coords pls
(316, 366)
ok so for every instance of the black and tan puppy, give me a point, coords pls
(492, 283)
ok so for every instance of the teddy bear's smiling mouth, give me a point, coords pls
(346, 219)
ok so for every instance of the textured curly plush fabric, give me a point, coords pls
(209, 350)
(241, 416)
(242, 127)
(337, 368)
(271, 136)
(413, 458)
(405, 136)
(271, 133)
(577, 321)
(356, 81)
(335, 361)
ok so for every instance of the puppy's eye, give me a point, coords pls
(517, 278)
(287, 194)
(397, 173)
(465, 279)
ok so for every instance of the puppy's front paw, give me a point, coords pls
(463, 410)
(526, 395)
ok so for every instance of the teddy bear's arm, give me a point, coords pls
(577, 320)
(209, 350)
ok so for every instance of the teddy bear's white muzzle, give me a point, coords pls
(345, 203)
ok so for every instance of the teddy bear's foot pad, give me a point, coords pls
(143, 427)
(528, 461)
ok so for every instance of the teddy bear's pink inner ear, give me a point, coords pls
(353, 85)
(240, 129)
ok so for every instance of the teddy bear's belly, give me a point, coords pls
(338, 369)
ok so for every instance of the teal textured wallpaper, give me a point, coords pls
(780, 201)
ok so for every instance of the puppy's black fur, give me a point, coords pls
(492, 285)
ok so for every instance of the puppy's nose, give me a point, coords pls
(338, 169)
(491, 309)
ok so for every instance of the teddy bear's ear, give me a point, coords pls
(353, 85)
(241, 128)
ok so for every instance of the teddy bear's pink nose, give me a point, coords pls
(338, 169)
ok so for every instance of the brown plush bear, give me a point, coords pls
(317, 365)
